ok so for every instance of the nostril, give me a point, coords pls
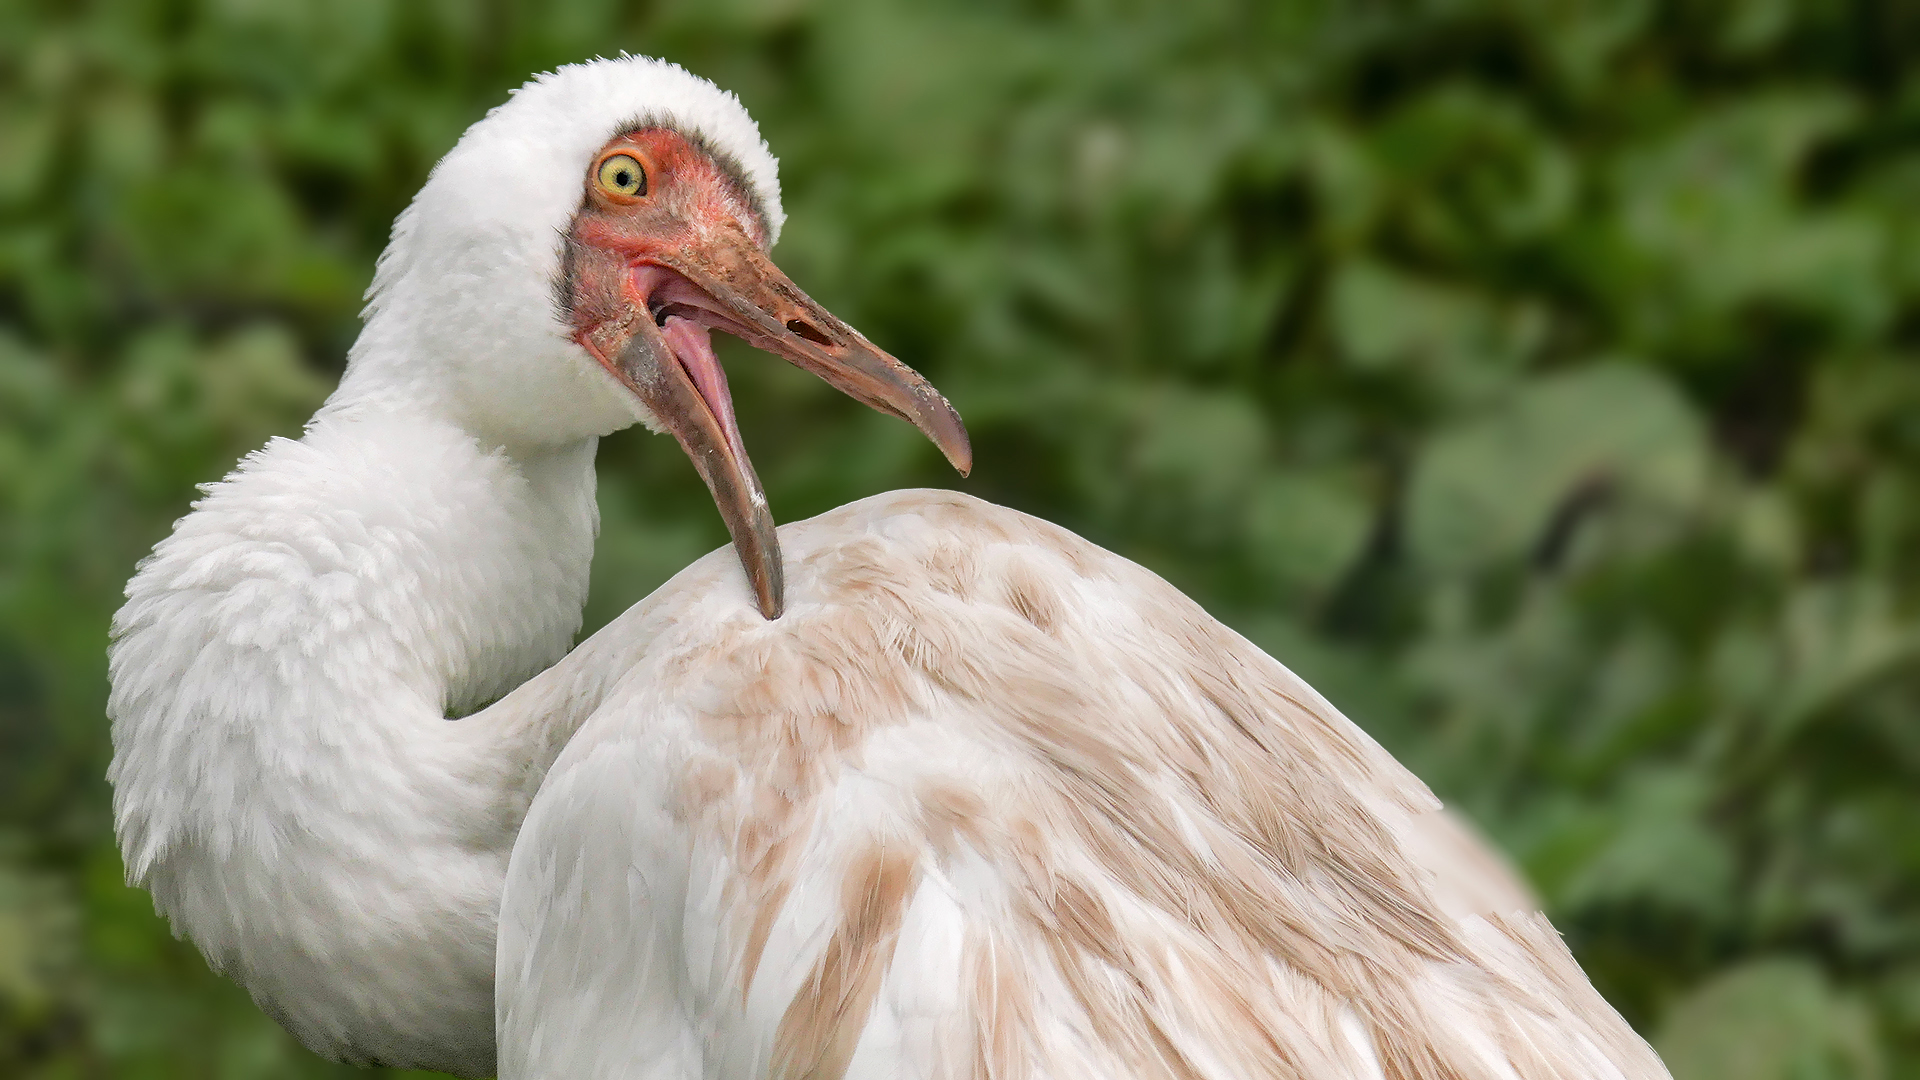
(808, 331)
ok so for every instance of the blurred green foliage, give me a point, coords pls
(1542, 379)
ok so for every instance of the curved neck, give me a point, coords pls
(286, 781)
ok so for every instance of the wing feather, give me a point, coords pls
(992, 802)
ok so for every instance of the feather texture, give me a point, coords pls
(992, 802)
(285, 783)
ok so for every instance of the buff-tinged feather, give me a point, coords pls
(1160, 854)
(817, 1035)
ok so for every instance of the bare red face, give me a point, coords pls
(669, 246)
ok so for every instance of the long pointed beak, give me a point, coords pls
(758, 303)
(661, 352)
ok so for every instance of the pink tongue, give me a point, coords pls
(691, 346)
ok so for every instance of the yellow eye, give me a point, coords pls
(621, 174)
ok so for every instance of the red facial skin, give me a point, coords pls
(647, 274)
(690, 202)
(688, 196)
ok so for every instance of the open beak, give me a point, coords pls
(662, 353)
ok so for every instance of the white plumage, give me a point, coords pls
(984, 801)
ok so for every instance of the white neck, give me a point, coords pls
(286, 782)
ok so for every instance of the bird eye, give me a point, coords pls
(621, 174)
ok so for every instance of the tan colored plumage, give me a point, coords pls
(994, 802)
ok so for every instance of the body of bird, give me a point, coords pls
(919, 787)
(989, 801)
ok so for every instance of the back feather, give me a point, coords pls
(992, 802)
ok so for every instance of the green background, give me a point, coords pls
(1540, 378)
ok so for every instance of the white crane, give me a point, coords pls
(965, 797)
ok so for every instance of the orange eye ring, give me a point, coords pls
(621, 176)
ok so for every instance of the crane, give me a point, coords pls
(922, 786)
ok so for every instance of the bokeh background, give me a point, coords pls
(1541, 378)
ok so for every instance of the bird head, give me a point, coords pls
(666, 247)
(561, 272)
